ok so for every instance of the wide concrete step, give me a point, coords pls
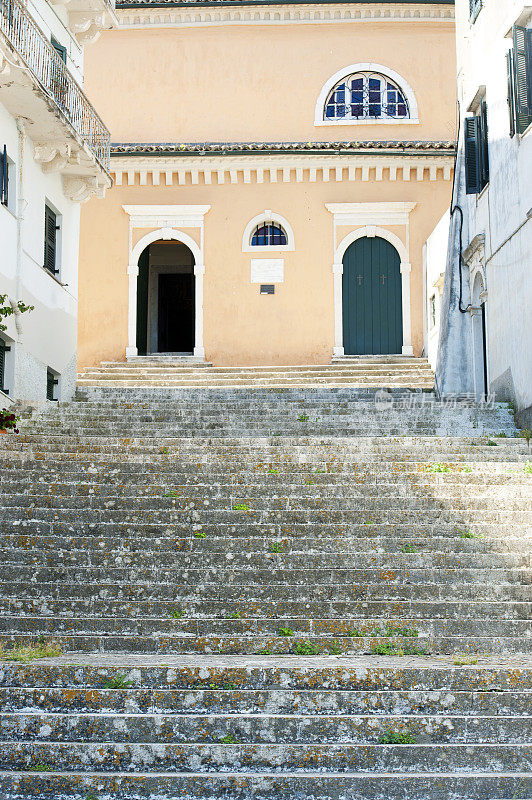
(342, 559)
(263, 728)
(400, 612)
(223, 699)
(252, 785)
(189, 625)
(62, 587)
(154, 757)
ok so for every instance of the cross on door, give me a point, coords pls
(383, 278)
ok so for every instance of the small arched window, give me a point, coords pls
(268, 234)
(366, 95)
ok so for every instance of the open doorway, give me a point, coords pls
(166, 299)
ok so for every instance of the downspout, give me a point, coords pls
(21, 203)
(456, 207)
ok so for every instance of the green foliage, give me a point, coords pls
(335, 649)
(163, 451)
(91, 796)
(229, 739)
(264, 652)
(394, 737)
(526, 433)
(31, 652)
(470, 535)
(305, 649)
(273, 471)
(409, 548)
(389, 649)
(528, 468)
(439, 467)
(200, 535)
(303, 418)
(6, 309)
(117, 682)
(241, 507)
(356, 633)
(41, 768)
(276, 547)
(285, 632)
(171, 494)
(309, 481)
(234, 615)
(462, 661)
(177, 613)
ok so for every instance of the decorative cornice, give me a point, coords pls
(263, 167)
(277, 12)
(225, 149)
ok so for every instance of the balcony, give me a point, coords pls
(87, 18)
(36, 86)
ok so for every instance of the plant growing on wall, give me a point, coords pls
(6, 309)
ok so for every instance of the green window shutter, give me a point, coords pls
(4, 196)
(522, 73)
(511, 90)
(50, 240)
(3, 350)
(483, 153)
(472, 172)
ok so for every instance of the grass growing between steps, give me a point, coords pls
(30, 652)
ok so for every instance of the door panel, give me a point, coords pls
(372, 311)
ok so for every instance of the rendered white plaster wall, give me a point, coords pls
(435, 262)
(501, 213)
(46, 337)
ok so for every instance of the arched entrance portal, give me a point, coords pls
(371, 298)
(166, 299)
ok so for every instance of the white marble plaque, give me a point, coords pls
(267, 270)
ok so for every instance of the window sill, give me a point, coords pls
(322, 123)
(53, 277)
(483, 191)
(271, 248)
(8, 210)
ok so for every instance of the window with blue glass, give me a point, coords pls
(268, 234)
(366, 95)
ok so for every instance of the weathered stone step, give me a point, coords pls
(80, 588)
(269, 576)
(463, 517)
(349, 758)
(190, 625)
(320, 534)
(229, 701)
(94, 556)
(369, 673)
(171, 643)
(399, 610)
(263, 728)
(259, 786)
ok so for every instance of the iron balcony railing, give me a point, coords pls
(53, 77)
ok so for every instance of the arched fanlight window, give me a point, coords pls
(366, 95)
(268, 234)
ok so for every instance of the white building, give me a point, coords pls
(54, 154)
(485, 343)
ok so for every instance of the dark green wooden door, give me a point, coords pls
(372, 313)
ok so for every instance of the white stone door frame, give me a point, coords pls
(367, 220)
(166, 221)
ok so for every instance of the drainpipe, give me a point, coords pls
(21, 203)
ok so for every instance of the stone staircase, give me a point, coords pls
(262, 593)
(352, 371)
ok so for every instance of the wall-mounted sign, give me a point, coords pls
(267, 270)
(267, 288)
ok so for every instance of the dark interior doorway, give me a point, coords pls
(176, 313)
(166, 299)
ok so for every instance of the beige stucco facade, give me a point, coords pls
(182, 82)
